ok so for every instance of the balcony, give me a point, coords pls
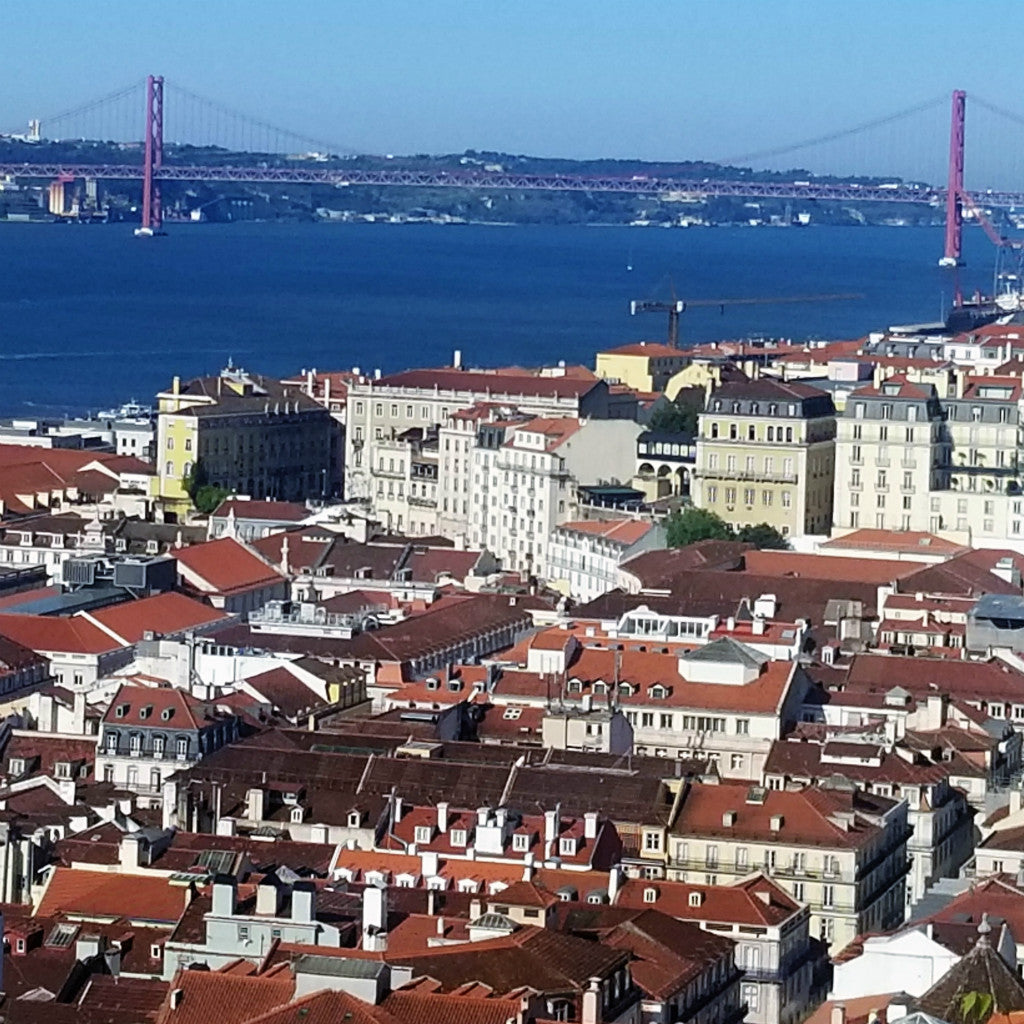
(743, 475)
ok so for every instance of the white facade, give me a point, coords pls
(911, 962)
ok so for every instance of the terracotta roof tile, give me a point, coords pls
(101, 894)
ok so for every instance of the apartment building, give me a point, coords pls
(766, 454)
(584, 556)
(248, 434)
(841, 851)
(532, 478)
(910, 456)
(784, 969)
(644, 365)
(404, 479)
(384, 408)
(664, 463)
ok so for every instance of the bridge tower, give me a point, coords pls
(152, 218)
(955, 183)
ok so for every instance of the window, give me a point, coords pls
(243, 933)
(742, 726)
(652, 842)
(742, 858)
(736, 762)
(181, 747)
(423, 833)
(520, 842)
(711, 856)
(828, 895)
(158, 746)
(751, 995)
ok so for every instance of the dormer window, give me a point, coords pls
(433, 684)
(121, 710)
(167, 714)
(62, 769)
(520, 842)
(650, 895)
(625, 690)
(696, 899)
(567, 846)
(511, 714)
(355, 819)
(575, 686)
(454, 685)
(457, 836)
(16, 765)
(297, 814)
(423, 834)
(600, 688)
(146, 711)
(658, 692)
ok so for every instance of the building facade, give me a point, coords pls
(766, 454)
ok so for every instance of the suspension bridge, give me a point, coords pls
(206, 123)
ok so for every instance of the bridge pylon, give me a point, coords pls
(152, 217)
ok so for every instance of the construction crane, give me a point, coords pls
(1009, 259)
(677, 307)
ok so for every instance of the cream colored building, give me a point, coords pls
(909, 457)
(250, 434)
(643, 366)
(841, 851)
(766, 454)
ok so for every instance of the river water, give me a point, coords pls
(91, 316)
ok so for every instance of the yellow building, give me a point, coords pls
(249, 434)
(644, 366)
(766, 454)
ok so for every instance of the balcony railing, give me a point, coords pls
(753, 477)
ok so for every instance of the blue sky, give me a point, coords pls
(649, 78)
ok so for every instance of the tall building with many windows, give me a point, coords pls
(910, 456)
(766, 454)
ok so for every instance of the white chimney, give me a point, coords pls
(591, 1013)
(550, 826)
(614, 882)
(223, 896)
(482, 816)
(430, 863)
(266, 899)
(457, 359)
(442, 817)
(838, 1015)
(590, 825)
(130, 851)
(375, 919)
(303, 903)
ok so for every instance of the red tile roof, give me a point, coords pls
(827, 567)
(74, 634)
(653, 349)
(163, 614)
(809, 817)
(87, 893)
(227, 997)
(225, 566)
(897, 540)
(274, 511)
(621, 531)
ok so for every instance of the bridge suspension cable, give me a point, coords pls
(134, 89)
(215, 119)
(819, 140)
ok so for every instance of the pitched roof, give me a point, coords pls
(164, 614)
(155, 706)
(73, 634)
(227, 997)
(619, 531)
(226, 565)
(957, 997)
(101, 894)
(272, 511)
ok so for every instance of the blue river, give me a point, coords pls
(91, 317)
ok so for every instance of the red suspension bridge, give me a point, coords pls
(154, 170)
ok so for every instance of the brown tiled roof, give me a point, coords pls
(754, 901)
(226, 565)
(164, 614)
(513, 384)
(539, 958)
(101, 894)
(990, 680)
(282, 688)
(226, 997)
(274, 511)
(809, 817)
(335, 1008)
(982, 971)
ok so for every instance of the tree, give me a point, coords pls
(680, 415)
(763, 536)
(205, 496)
(692, 524)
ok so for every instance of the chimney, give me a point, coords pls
(757, 627)
(729, 819)
(304, 902)
(442, 816)
(550, 826)
(614, 882)
(398, 810)
(528, 867)
(777, 822)
(176, 997)
(483, 814)
(590, 825)
(592, 1003)
(223, 896)
(176, 385)
(838, 1015)
(730, 624)
(89, 944)
(457, 359)
(430, 863)
(254, 804)
(266, 899)
(130, 851)
(375, 919)
(440, 927)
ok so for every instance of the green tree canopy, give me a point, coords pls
(689, 525)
